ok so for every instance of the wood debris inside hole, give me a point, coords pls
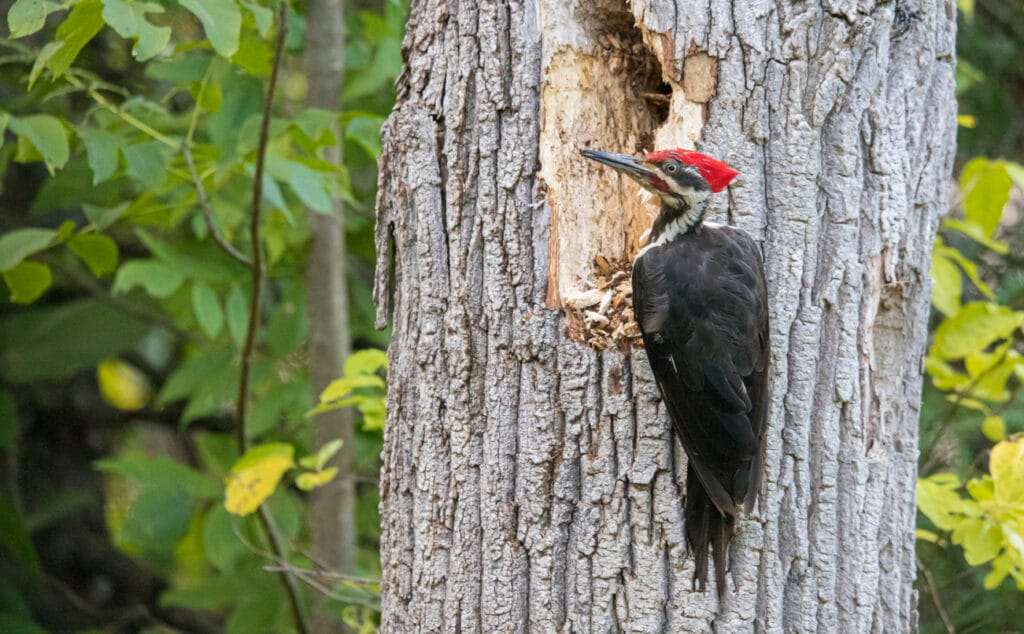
(601, 315)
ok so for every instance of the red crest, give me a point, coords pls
(715, 172)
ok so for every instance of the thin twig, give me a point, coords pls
(933, 591)
(204, 204)
(289, 581)
(309, 577)
(326, 574)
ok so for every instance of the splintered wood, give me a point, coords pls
(602, 314)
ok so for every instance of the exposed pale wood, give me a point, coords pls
(529, 482)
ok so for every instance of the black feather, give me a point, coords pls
(701, 303)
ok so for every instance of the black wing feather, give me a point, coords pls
(701, 303)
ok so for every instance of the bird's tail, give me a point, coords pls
(706, 526)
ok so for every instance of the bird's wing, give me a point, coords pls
(703, 315)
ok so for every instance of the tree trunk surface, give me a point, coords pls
(530, 481)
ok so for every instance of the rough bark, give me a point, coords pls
(330, 342)
(529, 480)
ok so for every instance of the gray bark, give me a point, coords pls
(530, 482)
(330, 342)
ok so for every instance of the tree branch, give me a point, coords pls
(256, 266)
(934, 593)
(204, 204)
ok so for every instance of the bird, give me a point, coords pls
(701, 304)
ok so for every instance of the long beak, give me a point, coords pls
(626, 164)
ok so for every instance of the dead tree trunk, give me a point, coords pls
(529, 479)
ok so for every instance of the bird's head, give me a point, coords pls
(680, 178)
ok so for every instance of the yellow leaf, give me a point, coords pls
(122, 386)
(948, 285)
(313, 479)
(255, 476)
(966, 120)
(994, 428)
(1007, 467)
(927, 536)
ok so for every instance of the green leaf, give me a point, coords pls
(276, 403)
(77, 30)
(973, 328)
(215, 592)
(206, 307)
(42, 59)
(1006, 463)
(158, 517)
(217, 452)
(101, 148)
(975, 232)
(238, 315)
(981, 489)
(103, 217)
(366, 132)
(8, 420)
(986, 189)
(47, 343)
(947, 287)
(264, 17)
(182, 68)
(159, 279)
(994, 428)
(367, 361)
(198, 370)
(318, 460)
(938, 500)
(21, 243)
(254, 56)
(16, 537)
(981, 540)
(1001, 566)
(28, 281)
(26, 17)
(308, 185)
(340, 388)
(223, 548)
(374, 413)
(1016, 172)
(969, 268)
(222, 21)
(97, 251)
(991, 371)
(201, 261)
(147, 163)
(161, 471)
(129, 20)
(46, 134)
(243, 98)
(311, 480)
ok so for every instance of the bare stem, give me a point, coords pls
(933, 591)
(204, 204)
(291, 584)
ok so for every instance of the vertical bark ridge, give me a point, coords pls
(530, 483)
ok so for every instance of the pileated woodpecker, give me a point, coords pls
(701, 302)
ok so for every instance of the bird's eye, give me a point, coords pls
(672, 167)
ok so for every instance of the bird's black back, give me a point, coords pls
(701, 303)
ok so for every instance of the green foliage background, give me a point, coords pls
(122, 319)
